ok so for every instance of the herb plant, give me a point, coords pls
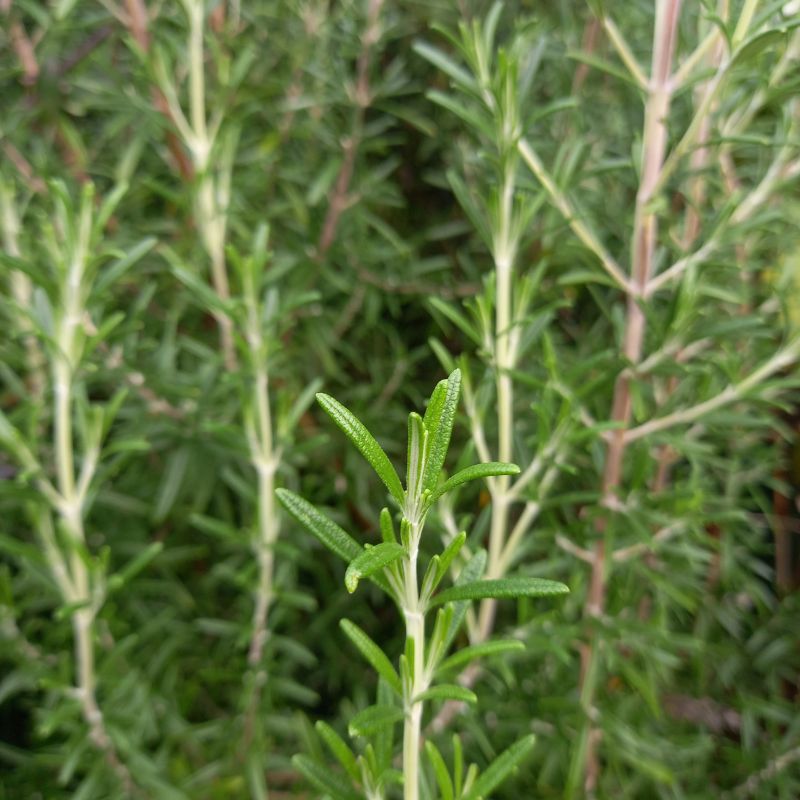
(395, 565)
(645, 268)
(211, 209)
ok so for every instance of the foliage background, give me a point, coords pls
(379, 271)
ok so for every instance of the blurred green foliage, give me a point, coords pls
(373, 140)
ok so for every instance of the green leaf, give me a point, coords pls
(476, 471)
(472, 570)
(501, 768)
(172, 483)
(370, 561)
(756, 45)
(415, 455)
(387, 526)
(256, 777)
(501, 588)
(450, 552)
(205, 296)
(446, 65)
(341, 752)
(447, 691)
(440, 769)
(383, 741)
(462, 323)
(365, 442)
(373, 654)
(441, 436)
(474, 116)
(458, 764)
(134, 567)
(113, 272)
(374, 719)
(317, 524)
(473, 652)
(433, 412)
(323, 779)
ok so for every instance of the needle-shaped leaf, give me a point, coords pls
(450, 552)
(387, 526)
(415, 460)
(364, 441)
(374, 719)
(433, 412)
(475, 472)
(440, 769)
(500, 769)
(471, 571)
(317, 524)
(329, 783)
(370, 560)
(441, 436)
(501, 588)
(447, 691)
(372, 653)
(446, 64)
(467, 654)
(341, 752)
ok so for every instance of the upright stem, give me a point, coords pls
(415, 631)
(585, 765)
(211, 211)
(21, 290)
(505, 247)
(70, 504)
(265, 461)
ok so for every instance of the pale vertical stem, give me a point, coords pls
(21, 290)
(584, 768)
(265, 461)
(698, 163)
(415, 630)
(65, 360)
(211, 213)
(505, 246)
(197, 86)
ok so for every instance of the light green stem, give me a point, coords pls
(415, 630)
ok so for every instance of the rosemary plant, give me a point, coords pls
(395, 566)
(54, 312)
(590, 213)
(488, 89)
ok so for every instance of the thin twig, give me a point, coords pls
(579, 227)
(660, 537)
(585, 767)
(777, 765)
(339, 199)
(624, 51)
(733, 392)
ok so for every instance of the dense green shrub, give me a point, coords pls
(212, 211)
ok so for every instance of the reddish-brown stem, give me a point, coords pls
(26, 55)
(591, 36)
(645, 234)
(339, 198)
(138, 21)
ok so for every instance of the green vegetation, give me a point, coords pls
(585, 214)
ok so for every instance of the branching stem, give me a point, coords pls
(584, 769)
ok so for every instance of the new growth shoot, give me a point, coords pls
(395, 566)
